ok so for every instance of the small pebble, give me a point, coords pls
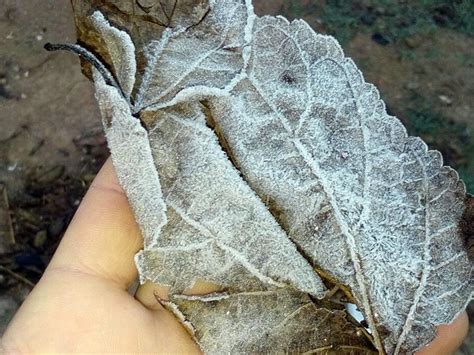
(380, 11)
(448, 101)
(40, 238)
(88, 178)
(12, 167)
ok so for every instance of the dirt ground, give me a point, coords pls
(51, 142)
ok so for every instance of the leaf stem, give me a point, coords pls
(90, 58)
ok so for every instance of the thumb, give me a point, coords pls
(103, 236)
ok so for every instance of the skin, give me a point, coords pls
(81, 303)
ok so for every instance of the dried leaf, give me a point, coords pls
(370, 206)
(294, 326)
(133, 160)
(200, 60)
(217, 227)
(121, 51)
(367, 206)
(143, 20)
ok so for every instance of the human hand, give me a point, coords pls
(81, 303)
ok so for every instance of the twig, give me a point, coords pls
(9, 217)
(17, 276)
(318, 350)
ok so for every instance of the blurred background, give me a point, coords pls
(420, 54)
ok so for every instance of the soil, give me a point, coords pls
(51, 141)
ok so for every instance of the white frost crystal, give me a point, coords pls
(263, 157)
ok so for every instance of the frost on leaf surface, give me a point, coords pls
(253, 153)
(203, 59)
(143, 20)
(191, 203)
(370, 206)
(218, 229)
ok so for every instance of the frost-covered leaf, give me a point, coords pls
(121, 50)
(370, 206)
(317, 162)
(199, 43)
(211, 214)
(198, 60)
(295, 325)
(217, 227)
(133, 160)
(143, 20)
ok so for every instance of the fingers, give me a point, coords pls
(103, 236)
(449, 338)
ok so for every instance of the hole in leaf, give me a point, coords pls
(357, 315)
